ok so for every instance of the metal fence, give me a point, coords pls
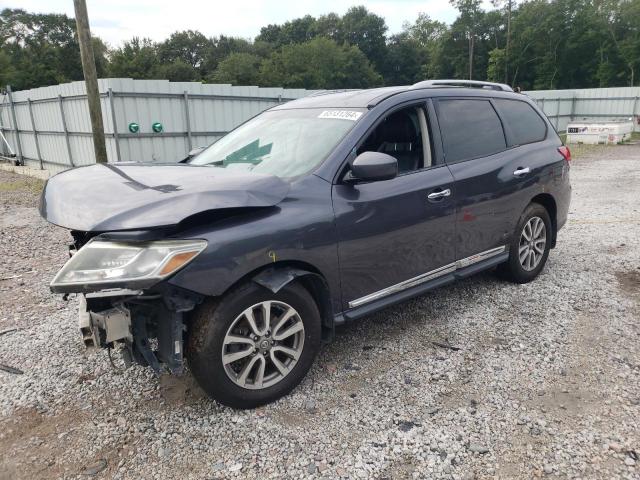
(563, 106)
(49, 127)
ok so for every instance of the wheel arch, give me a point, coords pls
(276, 276)
(549, 203)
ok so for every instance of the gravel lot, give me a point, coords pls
(544, 380)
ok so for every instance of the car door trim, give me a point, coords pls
(425, 277)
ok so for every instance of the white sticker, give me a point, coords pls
(341, 114)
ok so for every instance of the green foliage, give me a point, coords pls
(237, 69)
(176, 71)
(319, 63)
(405, 57)
(495, 69)
(136, 59)
(367, 31)
(188, 46)
(533, 44)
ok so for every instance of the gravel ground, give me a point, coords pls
(544, 379)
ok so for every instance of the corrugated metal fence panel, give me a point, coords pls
(206, 111)
(589, 103)
(212, 110)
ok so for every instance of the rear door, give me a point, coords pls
(492, 180)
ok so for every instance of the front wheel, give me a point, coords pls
(254, 346)
(529, 246)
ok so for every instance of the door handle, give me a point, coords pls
(521, 171)
(440, 194)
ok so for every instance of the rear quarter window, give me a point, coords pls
(525, 125)
(470, 128)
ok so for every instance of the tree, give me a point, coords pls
(189, 46)
(7, 71)
(319, 63)
(430, 35)
(297, 30)
(470, 14)
(42, 48)
(223, 46)
(137, 58)
(508, 8)
(624, 30)
(328, 26)
(238, 69)
(531, 43)
(405, 58)
(367, 31)
(495, 70)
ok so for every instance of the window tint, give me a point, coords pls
(524, 123)
(470, 128)
(399, 135)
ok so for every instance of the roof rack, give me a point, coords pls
(462, 83)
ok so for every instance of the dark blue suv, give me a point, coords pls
(244, 257)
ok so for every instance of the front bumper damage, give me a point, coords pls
(146, 327)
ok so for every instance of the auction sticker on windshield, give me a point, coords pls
(341, 114)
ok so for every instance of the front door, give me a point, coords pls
(392, 231)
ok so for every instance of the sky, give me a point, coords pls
(118, 20)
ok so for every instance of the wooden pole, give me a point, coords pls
(91, 79)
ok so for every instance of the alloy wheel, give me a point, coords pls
(533, 241)
(263, 344)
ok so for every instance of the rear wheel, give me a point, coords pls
(254, 346)
(529, 246)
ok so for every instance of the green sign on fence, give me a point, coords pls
(134, 127)
(156, 127)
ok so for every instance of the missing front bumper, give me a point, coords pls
(145, 328)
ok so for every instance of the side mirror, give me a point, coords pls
(372, 167)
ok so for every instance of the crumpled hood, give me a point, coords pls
(132, 196)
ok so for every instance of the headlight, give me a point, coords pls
(102, 263)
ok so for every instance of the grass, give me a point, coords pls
(19, 182)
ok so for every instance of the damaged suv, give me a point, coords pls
(244, 257)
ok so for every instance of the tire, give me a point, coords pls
(286, 360)
(518, 271)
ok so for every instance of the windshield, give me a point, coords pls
(285, 143)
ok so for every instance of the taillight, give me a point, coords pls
(565, 152)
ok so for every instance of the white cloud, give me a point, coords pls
(118, 20)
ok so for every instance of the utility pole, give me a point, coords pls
(90, 79)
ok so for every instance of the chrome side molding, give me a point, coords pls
(478, 257)
(425, 277)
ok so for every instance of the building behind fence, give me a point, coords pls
(54, 132)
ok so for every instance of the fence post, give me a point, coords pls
(20, 159)
(188, 119)
(116, 138)
(66, 132)
(634, 113)
(557, 113)
(573, 107)
(35, 133)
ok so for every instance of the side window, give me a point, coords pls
(470, 128)
(402, 135)
(524, 123)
